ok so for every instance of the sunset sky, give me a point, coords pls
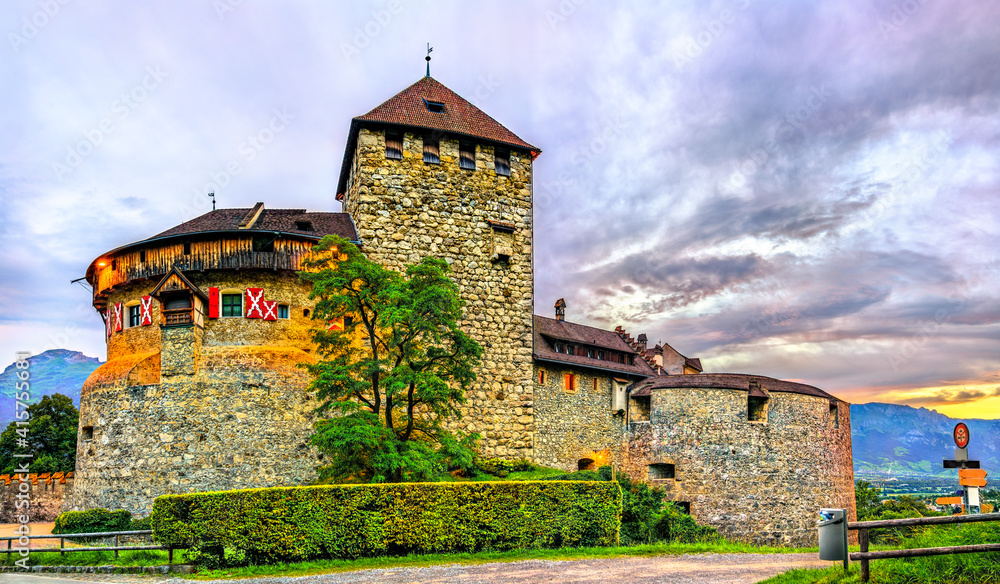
(804, 190)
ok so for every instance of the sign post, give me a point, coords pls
(970, 476)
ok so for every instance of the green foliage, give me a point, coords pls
(92, 521)
(868, 500)
(345, 521)
(50, 436)
(142, 524)
(398, 369)
(646, 518)
(501, 467)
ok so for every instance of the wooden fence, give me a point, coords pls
(62, 549)
(865, 556)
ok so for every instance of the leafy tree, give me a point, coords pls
(49, 436)
(395, 373)
(868, 499)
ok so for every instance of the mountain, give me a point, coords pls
(54, 371)
(894, 440)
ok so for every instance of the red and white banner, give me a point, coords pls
(146, 310)
(254, 298)
(213, 303)
(270, 308)
(118, 317)
(336, 324)
(109, 320)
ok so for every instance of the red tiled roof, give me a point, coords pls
(724, 381)
(282, 220)
(547, 330)
(409, 108)
(693, 362)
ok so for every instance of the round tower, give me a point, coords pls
(207, 325)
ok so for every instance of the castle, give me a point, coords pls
(207, 324)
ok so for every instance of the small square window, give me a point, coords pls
(431, 154)
(394, 145)
(501, 161)
(133, 316)
(467, 155)
(661, 471)
(232, 305)
(282, 311)
(569, 382)
(88, 432)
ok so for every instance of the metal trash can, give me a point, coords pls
(833, 534)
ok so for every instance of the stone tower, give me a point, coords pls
(428, 173)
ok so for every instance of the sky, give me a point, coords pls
(802, 190)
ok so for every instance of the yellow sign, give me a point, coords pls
(949, 501)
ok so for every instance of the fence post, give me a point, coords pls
(863, 540)
(62, 546)
(116, 546)
(170, 555)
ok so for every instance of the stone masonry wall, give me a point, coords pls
(575, 425)
(240, 420)
(755, 481)
(46, 493)
(407, 209)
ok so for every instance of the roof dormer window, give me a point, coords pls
(435, 107)
(304, 226)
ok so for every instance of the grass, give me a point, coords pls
(423, 560)
(136, 558)
(978, 568)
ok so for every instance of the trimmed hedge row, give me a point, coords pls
(349, 521)
(92, 521)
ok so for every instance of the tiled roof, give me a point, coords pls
(694, 362)
(724, 381)
(409, 108)
(547, 330)
(282, 220)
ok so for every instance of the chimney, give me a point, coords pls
(641, 343)
(560, 309)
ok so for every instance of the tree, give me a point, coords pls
(396, 371)
(868, 500)
(49, 436)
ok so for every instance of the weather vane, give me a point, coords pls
(212, 195)
(430, 49)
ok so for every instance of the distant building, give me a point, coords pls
(207, 327)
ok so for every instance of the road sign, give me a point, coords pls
(961, 435)
(972, 473)
(972, 482)
(961, 463)
(948, 501)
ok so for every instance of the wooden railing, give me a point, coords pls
(865, 556)
(62, 549)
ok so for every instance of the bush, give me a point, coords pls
(501, 467)
(349, 521)
(142, 524)
(677, 526)
(92, 521)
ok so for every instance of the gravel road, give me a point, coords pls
(687, 569)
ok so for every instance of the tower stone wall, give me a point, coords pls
(407, 209)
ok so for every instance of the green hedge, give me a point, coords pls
(348, 521)
(92, 521)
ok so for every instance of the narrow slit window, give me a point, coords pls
(501, 161)
(133, 316)
(467, 155)
(187, 248)
(569, 382)
(595, 384)
(431, 154)
(834, 415)
(394, 145)
(541, 377)
(142, 257)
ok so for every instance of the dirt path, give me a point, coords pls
(687, 569)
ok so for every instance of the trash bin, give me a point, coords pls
(833, 534)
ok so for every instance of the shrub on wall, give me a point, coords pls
(347, 521)
(92, 521)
